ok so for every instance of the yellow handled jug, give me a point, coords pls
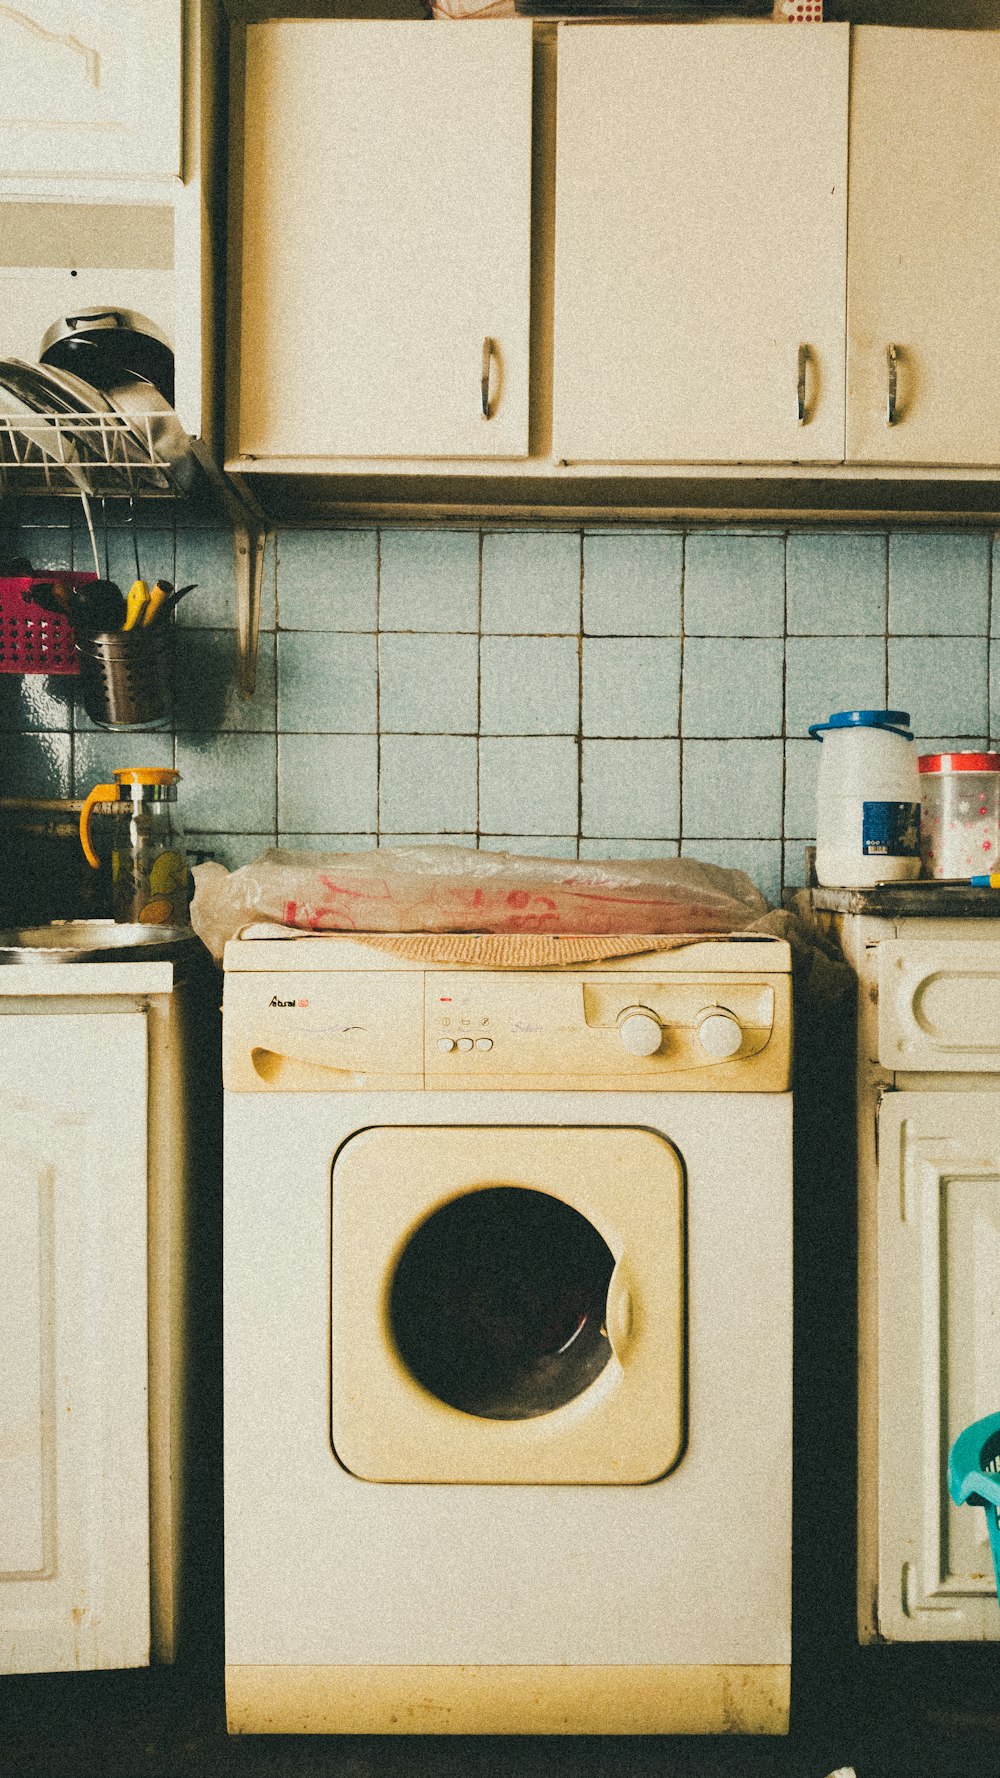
(149, 873)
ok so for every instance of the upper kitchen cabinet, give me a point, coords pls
(91, 87)
(700, 239)
(923, 355)
(383, 272)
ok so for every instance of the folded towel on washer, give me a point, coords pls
(451, 889)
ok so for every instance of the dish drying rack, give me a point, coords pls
(106, 456)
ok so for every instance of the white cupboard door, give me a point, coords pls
(938, 1357)
(91, 88)
(924, 248)
(700, 243)
(74, 1466)
(386, 233)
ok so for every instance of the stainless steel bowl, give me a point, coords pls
(91, 941)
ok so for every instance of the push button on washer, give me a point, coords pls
(484, 1043)
(446, 1043)
(464, 1043)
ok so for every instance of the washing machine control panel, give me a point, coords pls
(459, 1030)
(563, 1030)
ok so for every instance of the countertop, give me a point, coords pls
(920, 900)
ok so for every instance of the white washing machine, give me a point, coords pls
(508, 1309)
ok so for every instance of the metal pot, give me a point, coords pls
(108, 346)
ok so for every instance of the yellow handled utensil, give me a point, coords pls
(135, 604)
(162, 590)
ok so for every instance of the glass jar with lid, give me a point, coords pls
(959, 813)
(149, 872)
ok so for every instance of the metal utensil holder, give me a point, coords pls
(125, 677)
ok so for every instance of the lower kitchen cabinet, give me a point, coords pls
(94, 1161)
(74, 1536)
(928, 1115)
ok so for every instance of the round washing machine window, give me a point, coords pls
(498, 1301)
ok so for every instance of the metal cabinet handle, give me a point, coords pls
(892, 362)
(800, 384)
(489, 347)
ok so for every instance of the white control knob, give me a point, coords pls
(446, 1043)
(464, 1043)
(720, 1035)
(641, 1034)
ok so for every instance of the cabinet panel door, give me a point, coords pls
(91, 88)
(74, 1465)
(386, 229)
(938, 1357)
(924, 246)
(700, 243)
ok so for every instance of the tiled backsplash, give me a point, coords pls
(591, 693)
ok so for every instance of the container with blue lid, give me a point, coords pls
(867, 799)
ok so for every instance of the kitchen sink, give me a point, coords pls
(90, 941)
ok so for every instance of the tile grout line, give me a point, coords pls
(579, 698)
(680, 696)
(479, 684)
(378, 686)
(784, 711)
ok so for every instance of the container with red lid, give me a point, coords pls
(959, 813)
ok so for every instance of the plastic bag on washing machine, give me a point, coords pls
(439, 889)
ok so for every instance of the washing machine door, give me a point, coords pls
(507, 1304)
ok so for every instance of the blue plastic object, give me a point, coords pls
(974, 1476)
(896, 720)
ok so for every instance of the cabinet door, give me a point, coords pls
(91, 88)
(924, 247)
(386, 229)
(74, 1468)
(938, 1357)
(700, 243)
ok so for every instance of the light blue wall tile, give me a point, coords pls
(427, 783)
(51, 546)
(208, 558)
(327, 783)
(206, 687)
(532, 845)
(760, 859)
(952, 744)
(227, 782)
(467, 841)
(35, 764)
(96, 756)
(631, 688)
(939, 583)
(530, 685)
(529, 786)
(35, 701)
(233, 850)
(531, 582)
(428, 684)
(326, 842)
(942, 681)
(734, 585)
(326, 682)
(732, 688)
(631, 788)
(794, 863)
(827, 673)
(628, 848)
(836, 583)
(429, 580)
(327, 580)
(632, 584)
(801, 772)
(732, 788)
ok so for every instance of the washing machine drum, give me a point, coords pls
(507, 1304)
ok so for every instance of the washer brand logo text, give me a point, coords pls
(276, 1002)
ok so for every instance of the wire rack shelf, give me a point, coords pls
(101, 454)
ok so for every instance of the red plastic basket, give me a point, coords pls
(33, 640)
